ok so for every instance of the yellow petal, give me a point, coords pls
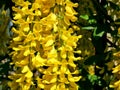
(23, 62)
(40, 85)
(26, 29)
(38, 12)
(79, 51)
(27, 52)
(111, 86)
(55, 68)
(53, 16)
(73, 79)
(62, 78)
(91, 70)
(53, 87)
(64, 37)
(25, 69)
(62, 86)
(38, 61)
(35, 6)
(63, 55)
(73, 86)
(59, 2)
(39, 82)
(71, 63)
(117, 83)
(33, 44)
(29, 74)
(55, 28)
(63, 68)
(18, 16)
(54, 79)
(66, 20)
(116, 69)
(26, 86)
(49, 43)
(80, 36)
(52, 53)
(69, 9)
(21, 79)
(17, 38)
(16, 49)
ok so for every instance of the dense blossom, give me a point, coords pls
(116, 71)
(43, 45)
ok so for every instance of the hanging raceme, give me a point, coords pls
(116, 83)
(43, 45)
(116, 71)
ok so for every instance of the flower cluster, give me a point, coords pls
(116, 70)
(43, 45)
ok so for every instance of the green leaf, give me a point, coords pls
(89, 28)
(98, 33)
(92, 78)
(91, 21)
(0, 87)
(85, 17)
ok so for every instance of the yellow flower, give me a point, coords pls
(18, 16)
(52, 53)
(39, 82)
(73, 86)
(73, 79)
(63, 67)
(116, 69)
(13, 85)
(27, 72)
(47, 5)
(70, 12)
(116, 85)
(50, 86)
(27, 52)
(91, 69)
(38, 61)
(48, 79)
(49, 43)
(63, 79)
(21, 79)
(61, 86)
(22, 62)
